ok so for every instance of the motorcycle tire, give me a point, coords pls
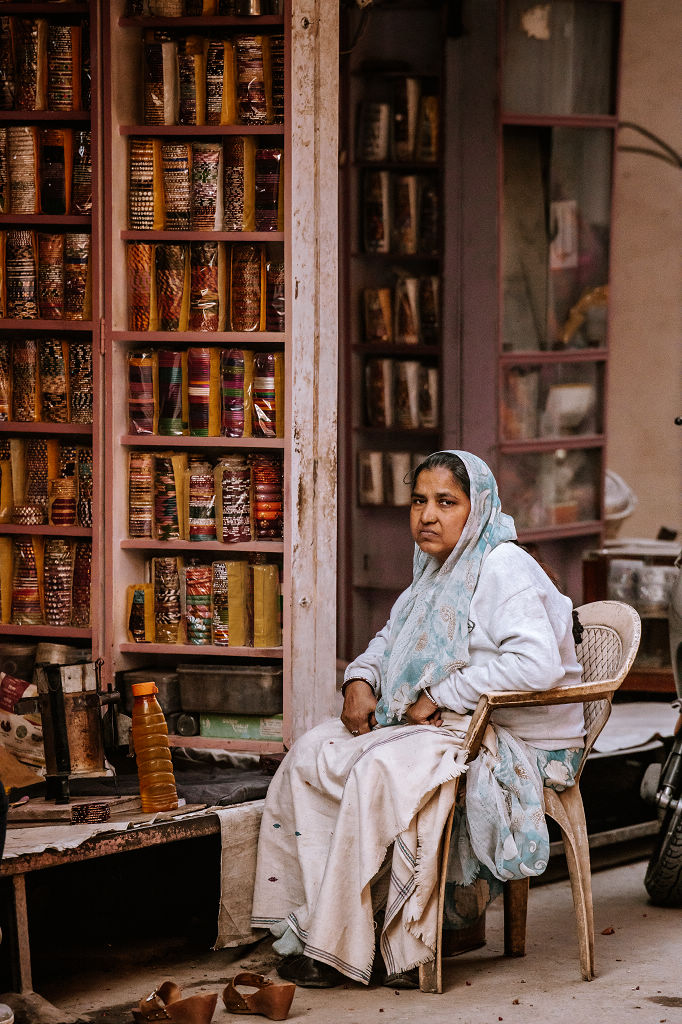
(663, 879)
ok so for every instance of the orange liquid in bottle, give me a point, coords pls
(152, 753)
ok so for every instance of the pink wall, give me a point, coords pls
(645, 392)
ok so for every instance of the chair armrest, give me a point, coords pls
(487, 703)
(581, 694)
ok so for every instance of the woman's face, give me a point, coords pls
(439, 510)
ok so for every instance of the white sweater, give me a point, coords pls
(521, 639)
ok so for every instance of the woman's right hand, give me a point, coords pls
(359, 703)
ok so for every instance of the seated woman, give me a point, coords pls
(480, 615)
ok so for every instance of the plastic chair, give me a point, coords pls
(608, 648)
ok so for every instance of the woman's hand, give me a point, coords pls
(358, 707)
(423, 712)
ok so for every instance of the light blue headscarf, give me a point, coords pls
(430, 637)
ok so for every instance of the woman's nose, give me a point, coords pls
(429, 512)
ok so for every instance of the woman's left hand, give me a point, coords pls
(423, 712)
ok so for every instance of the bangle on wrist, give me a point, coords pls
(358, 679)
(430, 696)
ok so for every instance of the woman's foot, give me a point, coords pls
(309, 973)
(406, 979)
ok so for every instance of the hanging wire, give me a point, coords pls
(359, 31)
(664, 151)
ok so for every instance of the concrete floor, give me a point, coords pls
(638, 955)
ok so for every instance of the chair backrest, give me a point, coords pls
(611, 634)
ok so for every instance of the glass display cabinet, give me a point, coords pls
(391, 330)
(559, 64)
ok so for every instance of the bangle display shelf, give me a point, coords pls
(126, 557)
(71, 330)
(391, 316)
(542, 425)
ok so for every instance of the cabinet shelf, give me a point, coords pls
(650, 680)
(408, 166)
(41, 427)
(560, 120)
(395, 432)
(36, 116)
(200, 130)
(13, 324)
(398, 70)
(397, 257)
(148, 544)
(565, 355)
(206, 649)
(54, 632)
(46, 220)
(64, 9)
(391, 349)
(587, 528)
(205, 21)
(183, 441)
(203, 236)
(46, 531)
(200, 337)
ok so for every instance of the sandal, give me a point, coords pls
(271, 999)
(166, 1004)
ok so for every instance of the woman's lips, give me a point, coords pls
(428, 534)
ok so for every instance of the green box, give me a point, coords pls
(241, 727)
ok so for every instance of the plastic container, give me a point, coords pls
(152, 753)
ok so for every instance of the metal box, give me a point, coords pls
(231, 690)
(167, 684)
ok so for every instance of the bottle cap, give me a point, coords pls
(144, 689)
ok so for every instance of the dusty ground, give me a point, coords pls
(638, 953)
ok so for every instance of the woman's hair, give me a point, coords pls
(446, 460)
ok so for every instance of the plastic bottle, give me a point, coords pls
(150, 739)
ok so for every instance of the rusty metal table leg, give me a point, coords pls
(20, 949)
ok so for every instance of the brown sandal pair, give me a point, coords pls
(270, 999)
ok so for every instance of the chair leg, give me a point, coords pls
(515, 911)
(576, 847)
(431, 973)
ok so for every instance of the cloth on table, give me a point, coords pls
(239, 827)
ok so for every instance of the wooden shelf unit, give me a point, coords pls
(80, 119)
(125, 556)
